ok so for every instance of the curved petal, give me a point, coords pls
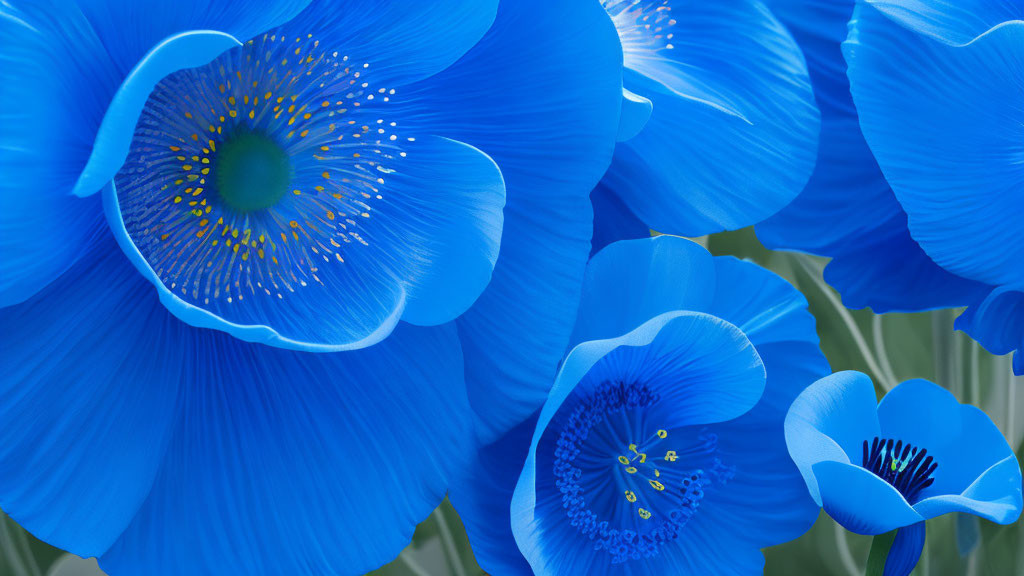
(432, 241)
(994, 323)
(636, 111)
(731, 89)
(47, 137)
(402, 41)
(613, 220)
(905, 551)
(828, 422)
(92, 368)
(995, 496)
(953, 22)
(630, 282)
(283, 462)
(549, 120)
(915, 95)
(482, 494)
(862, 502)
(963, 440)
(887, 271)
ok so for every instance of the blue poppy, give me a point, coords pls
(664, 425)
(236, 236)
(908, 226)
(913, 456)
(719, 127)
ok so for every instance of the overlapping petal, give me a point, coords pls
(239, 456)
(549, 121)
(729, 88)
(62, 67)
(939, 119)
(950, 21)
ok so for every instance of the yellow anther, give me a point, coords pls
(644, 513)
(630, 496)
(663, 434)
(623, 460)
(656, 485)
(631, 470)
(671, 456)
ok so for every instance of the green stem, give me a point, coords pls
(448, 541)
(880, 547)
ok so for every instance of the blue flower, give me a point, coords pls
(660, 449)
(197, 196)
(719, 127)
(915, 455)
(913, 188)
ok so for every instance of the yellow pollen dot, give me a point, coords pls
(662, 433)
(175, 149)
(326, 175)
(252, 114)
(186, 167)
(293, 224)
(644, 513)
(630, 496)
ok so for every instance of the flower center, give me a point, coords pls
(250, 176)
(252, 171)
(631, 496)
(907, 468)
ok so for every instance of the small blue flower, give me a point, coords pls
(660, 449)
(914, 186)
(250, 263)
(719, 126)
(915, 455)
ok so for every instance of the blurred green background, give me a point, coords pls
(890, 348)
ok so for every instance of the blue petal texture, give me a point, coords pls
(994, 323)
(862, 502)
(913, 91)
(60, 69)
(847, 210)
(950, 21)
(905, 551)
(729, 87)
(549, 120)
(238, 456)
(829, 421)
(613, 221)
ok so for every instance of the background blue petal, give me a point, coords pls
(733, 91)
(91, 372)
(630, 282)
(941, 122)
(60, 67)
(951, 21)
(549, 120)
(613, 221)
(995, 323)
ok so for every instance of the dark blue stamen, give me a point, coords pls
(905, 467)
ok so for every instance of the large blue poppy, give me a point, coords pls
(200, 195)
(930, 233)
(915, 455)
(719, 126)
(660, 449)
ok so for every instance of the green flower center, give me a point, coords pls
(253, 172)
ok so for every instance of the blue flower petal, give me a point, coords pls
(887, 271)
(48, 138)
(613, 220)
(995, 495)
(963, 440)
(92, 368)
(905, 551)
(731, 91)
(994, 323)
(550, 121)
(956, 22)
(862, 502)
(636, 111)
(630, 282)
(950, 161)
(403, 40)
(829, 422)
(482, 494)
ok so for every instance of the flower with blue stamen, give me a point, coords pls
(719, 126)
(913, 186)
(663, 425)
(250, 256)
(913, 456)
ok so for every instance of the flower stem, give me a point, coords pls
(880, 546)
(454, 560)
